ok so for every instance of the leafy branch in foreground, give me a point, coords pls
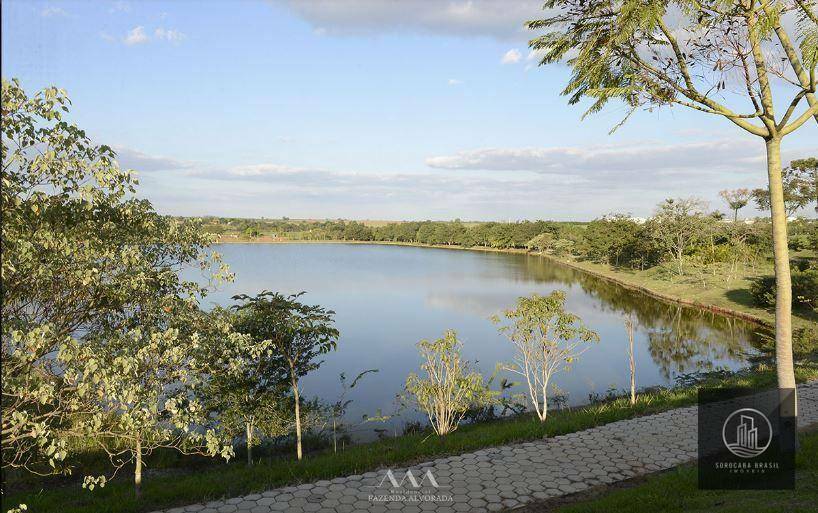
(90, 281)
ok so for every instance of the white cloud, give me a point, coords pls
(277, 171)
(500, 19)
(138, 161)
(454, 82)
(566, 183)
(512, 56)
(136, 36)
(50, 11)
(273, 189)
(533, 58)
(718, 154)
(174, 36)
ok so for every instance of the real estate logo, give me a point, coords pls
(746, 439)
(409, 487)
(747, 433)
(410, 477)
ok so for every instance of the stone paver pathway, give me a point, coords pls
(504, 477)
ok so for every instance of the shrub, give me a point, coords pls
(804, 289)
(449, 389)
(800, 241)
(763, 291)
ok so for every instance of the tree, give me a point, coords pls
(609, 238)
(147, 384)
(541, 242)
(736, 199)
(338, 408)
(677, 226)
(247, 389)
(807, 172)
(628, 50)
(298, 332)
(450, 388)
(630, 326)
(547, 339)
(798, 185)
(81, 255)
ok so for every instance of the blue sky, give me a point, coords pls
(360, 109)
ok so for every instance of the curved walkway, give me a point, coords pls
(507, 476)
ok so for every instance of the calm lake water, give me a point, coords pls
(387, 298)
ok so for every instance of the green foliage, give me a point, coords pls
(541, 242)
(449, 388)
(800, 182)
(678, 226)
(146, 381)
(230, 480)
(247, 392)
(297, 333)
(94, 311)
(652, 53)
(804, 289)
(547, 340)
(736, 199)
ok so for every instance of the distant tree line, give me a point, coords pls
(682, 240)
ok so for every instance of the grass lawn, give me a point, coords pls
(172, 486)
(734, 295)
(677, 491)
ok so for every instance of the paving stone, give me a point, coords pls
(498, 478)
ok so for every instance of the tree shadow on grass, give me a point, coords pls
(744, 298)
(741, 297)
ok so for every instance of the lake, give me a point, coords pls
(388, 297)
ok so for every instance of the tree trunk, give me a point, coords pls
(297, 416)
(632, 363)
(544, 406)
(783, 282)
(680, 259)
(249, 437)
(137, 475)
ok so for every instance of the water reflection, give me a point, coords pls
(681, 339)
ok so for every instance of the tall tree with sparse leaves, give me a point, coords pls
(547, 339)
(696, 54)
(736, 199)
(299, 334)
